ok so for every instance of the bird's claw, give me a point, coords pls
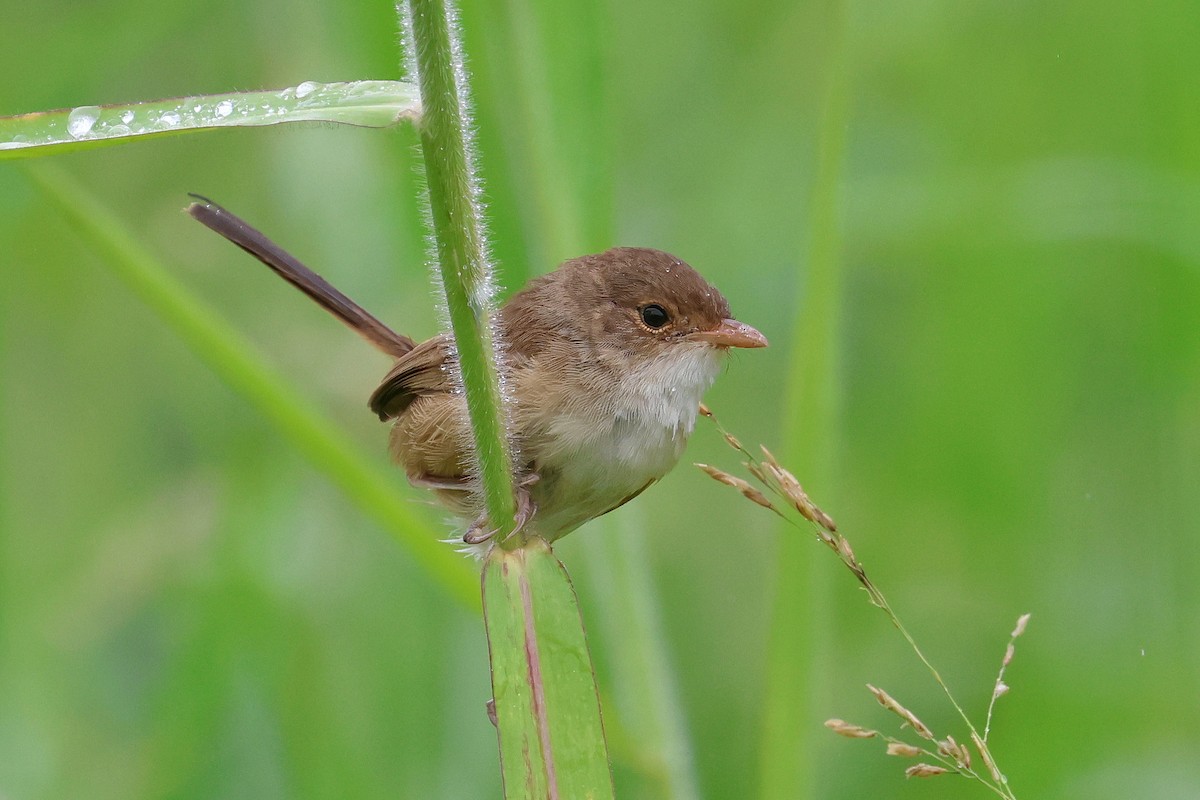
(480, 531)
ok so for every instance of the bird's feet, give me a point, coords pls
(481, 530)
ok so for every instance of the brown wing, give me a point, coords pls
(421, 371)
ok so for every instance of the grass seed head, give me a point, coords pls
(889, 702)
(1022, 621)
(748, 491)
(986, 755)
(756, 471)
(754, 495)
(955, 751)
(721, 476)
(849, 730)
(903, 749)
(1009, 652)
(924, 771)
(844, 550)
(794, 492)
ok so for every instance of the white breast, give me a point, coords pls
(599, 462)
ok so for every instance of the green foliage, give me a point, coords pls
(188, 608)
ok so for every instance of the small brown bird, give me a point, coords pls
(606, 359)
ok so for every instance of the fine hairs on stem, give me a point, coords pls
(947, 754)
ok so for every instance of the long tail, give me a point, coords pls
(285, 266)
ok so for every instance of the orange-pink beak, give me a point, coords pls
(731, 333)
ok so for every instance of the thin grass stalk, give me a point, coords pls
(954, 756)
(237, 362)
(810, 430)
(464, 268)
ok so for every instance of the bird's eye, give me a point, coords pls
(655, 316)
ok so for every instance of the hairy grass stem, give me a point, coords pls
(464, 268)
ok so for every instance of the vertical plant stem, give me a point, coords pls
(463, 263)
(786, 754)
(546, 707)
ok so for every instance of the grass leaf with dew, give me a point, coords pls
(368, 104)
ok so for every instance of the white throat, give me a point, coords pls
(597, 462)
(667, 390)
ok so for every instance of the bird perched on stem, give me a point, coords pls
(604, 361)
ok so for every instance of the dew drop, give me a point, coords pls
(118, 130)
(169, 119)
(81, 120)
(126, 117)
(305, 89)
(224, 108)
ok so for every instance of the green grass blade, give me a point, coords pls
(238, 363)
(547, 710)
(786, 762)
(370, 104)
(642, 688)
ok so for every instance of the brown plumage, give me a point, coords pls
(606, 358)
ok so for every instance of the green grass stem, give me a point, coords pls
(463, 264)
(797, 633)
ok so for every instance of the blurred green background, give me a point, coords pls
(1010, 195)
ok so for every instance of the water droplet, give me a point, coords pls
(127, 117)
(118, 130)
(169, 119)
(196, 109)
(81, 120)
(224, 108)
(305, 89)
